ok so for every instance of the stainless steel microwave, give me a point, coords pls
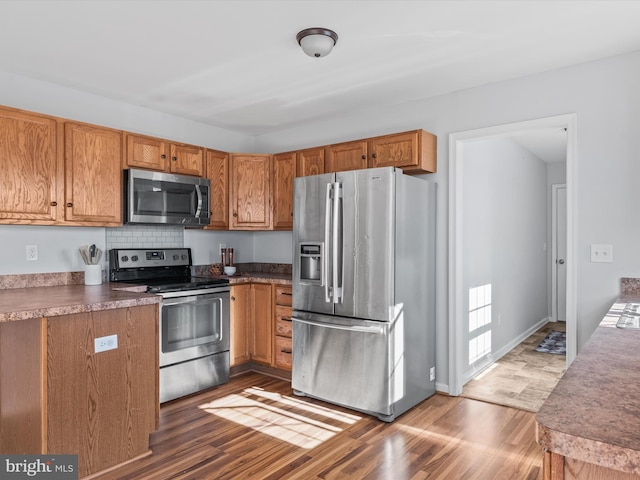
(166, 198)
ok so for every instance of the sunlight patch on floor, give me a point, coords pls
(289, 419)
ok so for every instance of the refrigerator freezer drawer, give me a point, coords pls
(344, 362)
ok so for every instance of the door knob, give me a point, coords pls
(561, 261)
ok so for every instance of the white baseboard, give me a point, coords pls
(491, 358)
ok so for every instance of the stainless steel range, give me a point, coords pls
(194, 317)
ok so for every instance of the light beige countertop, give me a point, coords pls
(35, 302)
(593, 414)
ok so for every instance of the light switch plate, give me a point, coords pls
(601, 253)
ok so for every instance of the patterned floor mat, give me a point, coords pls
(555, 342)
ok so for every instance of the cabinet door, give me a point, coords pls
(262, 323)
(346, 156)
(187, 160)
(93, 170)
(310, 162)
(240, 323)
(414, 152)
(146, 152)
(30, 168)
(102, 406)
(284, 171)
(250, 192)
(218, 175)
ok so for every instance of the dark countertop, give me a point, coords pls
(36, 302)
(259, 277)
(46, 301)
(593, 414)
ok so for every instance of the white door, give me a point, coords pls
(560, 252)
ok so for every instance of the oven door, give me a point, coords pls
(193, 324)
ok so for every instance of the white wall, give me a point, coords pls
(504, 259)
(57, 248)
(606, 98)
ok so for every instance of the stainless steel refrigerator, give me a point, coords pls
(364, 290)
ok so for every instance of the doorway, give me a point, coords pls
(459, 291)
(559, 253)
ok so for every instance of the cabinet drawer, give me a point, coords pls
(283, 328)
(283, 296)
(283, 353)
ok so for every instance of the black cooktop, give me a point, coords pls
(161, 285)
(161, 269)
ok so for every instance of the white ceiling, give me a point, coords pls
(236, 64)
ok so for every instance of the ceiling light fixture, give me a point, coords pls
(317, 42)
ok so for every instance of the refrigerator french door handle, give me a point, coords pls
(336, 247)
(349, 328)
(325, 257)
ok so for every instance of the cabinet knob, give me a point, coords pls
(285, 350)
(54, 204)
(364, 157)
(235, 214)
(233, 299)
(174, 158)
(69, 204)
(374, 155)
(163, 156)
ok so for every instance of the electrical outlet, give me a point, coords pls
(601, 253)
(102, 344)
(432, 374)
(32, 253)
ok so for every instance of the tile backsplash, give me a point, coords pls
(145, 236)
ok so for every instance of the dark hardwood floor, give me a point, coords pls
(255, 428)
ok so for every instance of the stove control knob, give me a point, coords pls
(124, 259)
(134, 258)
(176, 256)
(184, 256)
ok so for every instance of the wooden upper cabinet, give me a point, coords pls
(93, 174)
(284, 171)
(250, 192)
(146, 152)
(31, 168)
(158, 154)
(187, 160)
(217, 166)
(414, 152)
(310, 162)
(346, 156)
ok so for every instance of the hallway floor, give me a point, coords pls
(523, 378)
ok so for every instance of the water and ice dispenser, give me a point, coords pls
(311, 254)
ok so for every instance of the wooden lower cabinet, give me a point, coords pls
(261, 323)
(240, 312)
(559, 467)
(283, 311)
(101, 406)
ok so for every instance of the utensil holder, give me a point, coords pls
(93, 274)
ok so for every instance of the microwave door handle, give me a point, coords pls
(199, 208)
(325, 257)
